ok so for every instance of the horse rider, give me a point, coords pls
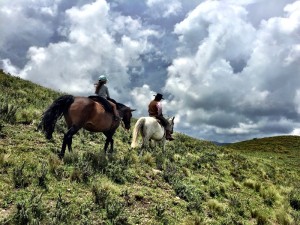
(155, 110)
(102, 91)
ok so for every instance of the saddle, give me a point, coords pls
(103, 101)
(106, 105)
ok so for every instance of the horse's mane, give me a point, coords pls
(120, 105)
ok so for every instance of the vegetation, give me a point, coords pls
(192, 182)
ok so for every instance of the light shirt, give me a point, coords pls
(159, 108)
(103, 92)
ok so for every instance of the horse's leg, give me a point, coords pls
(111, 145)
(67, 141)
(145, 143)
(70, 144)
(106, 145)
(109, 140)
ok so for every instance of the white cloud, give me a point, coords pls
(234, 74)
(228, 70)
(162, 8)
(90, 48)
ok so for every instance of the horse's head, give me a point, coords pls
(126, 114)
(171, 122)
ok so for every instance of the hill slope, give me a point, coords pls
(192, 182)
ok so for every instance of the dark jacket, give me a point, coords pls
(152, 108)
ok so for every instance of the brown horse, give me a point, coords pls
(83, 112)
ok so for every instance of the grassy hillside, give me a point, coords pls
(283, 151)
(192, 182)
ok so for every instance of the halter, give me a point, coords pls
(121, 114)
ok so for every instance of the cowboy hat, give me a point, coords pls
(158, 95)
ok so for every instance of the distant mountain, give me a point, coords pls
(273, 144)
(220, 143)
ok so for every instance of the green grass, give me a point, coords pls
(192, 182)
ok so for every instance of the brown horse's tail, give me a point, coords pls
(137, 128)
(53, 113)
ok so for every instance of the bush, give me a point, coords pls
(260, 216)
(117, 173)
(98, 161)
(29, 211)
(294, 199)
(8, 112)
(19, 178)
(101, 195)
(283, 218)
(42, 176)
(114, 208)
(216, 206)
(61, 212)
(270, 195)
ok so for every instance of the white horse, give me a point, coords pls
(150, 130)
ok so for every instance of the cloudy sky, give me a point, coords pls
(229, 70)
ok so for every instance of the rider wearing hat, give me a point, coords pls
(155, 110)
(102, 91)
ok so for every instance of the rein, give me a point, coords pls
(121, 114)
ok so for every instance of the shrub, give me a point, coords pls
(252, 184)
(260, 216)
(114, 208)
(296, 216)
(86, 172)
(61, 212)
(27, 116)
(148, 159)
(8, 112)
(29, 211)
(171, 172)
(117, 173)
(56, 167)
(1, 127)
(98, 161)
(270, 195)
(42, 176)
(101, 195)
(5, 163)
(283, 218)
(22, 214)
(71, 158)
(19, 178)
(76, 175)
(206, 158)
(294, 199)
(190, 194)
(160, 161)
(216, 206)
(130, 158)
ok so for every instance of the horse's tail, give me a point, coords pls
(53, 113)
(137, 128)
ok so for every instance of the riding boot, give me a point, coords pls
(169, 136)
(116, 117)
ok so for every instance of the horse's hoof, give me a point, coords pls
(60, 156)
